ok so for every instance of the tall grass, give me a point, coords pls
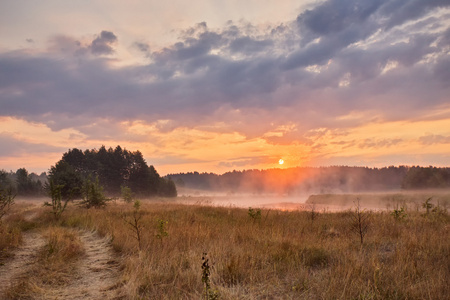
(53, 266)
(11, 228)
(285, 255)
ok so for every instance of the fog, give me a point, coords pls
(373, 201)
(336, 202)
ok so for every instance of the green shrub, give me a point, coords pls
(254, 214)
(57, 206)
(93, 194)
(399, 214)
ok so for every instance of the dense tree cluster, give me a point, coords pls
(114, 168)
(21, 183)
(429, 177)
(318, 180)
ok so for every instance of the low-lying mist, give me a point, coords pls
(323, 180)
(376, 201)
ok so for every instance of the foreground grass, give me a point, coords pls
(282, 255)
(11, 228)
(53, 265)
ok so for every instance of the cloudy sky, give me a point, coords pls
(212, 85)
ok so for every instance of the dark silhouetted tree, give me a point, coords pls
(26, 186)
(63, 174)
(114, 168)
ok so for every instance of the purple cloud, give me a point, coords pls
(332, 60)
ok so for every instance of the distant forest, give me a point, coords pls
(114, 168)
(317, 180)
(22, 183)
(119, 167)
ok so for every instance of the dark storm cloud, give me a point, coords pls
(334, 16)
(399, 11)
(340, 23)
(248, 45)
(143, 47)
(384, 56)
(103, 43)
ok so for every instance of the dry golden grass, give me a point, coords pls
(10, 237)
(284, 255)
(413, 200)
(11, 228)
(53, 265)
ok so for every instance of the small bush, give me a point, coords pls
(359, 221)
(57, 206)
(162, 233)
(126, 193)
(135, 222)
(254, 214)
(427, 205)
(93, 194)
(210, 294)
(399, 214)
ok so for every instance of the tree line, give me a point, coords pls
(114, 168)
(22, 183)
(117, 168)
(318, 180)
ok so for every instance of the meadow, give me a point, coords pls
(166, 250)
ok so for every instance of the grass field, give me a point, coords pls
(269, 254)
(411, 200)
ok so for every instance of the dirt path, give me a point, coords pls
(95, 276)
(24, 259)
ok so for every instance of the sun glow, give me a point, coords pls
(281, 161)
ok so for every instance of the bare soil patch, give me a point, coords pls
(23, 260)
(95, 276)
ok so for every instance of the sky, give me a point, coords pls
(214, 86)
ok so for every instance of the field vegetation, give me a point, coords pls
(249, 253)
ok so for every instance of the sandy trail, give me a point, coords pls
(95, 276)
(24, 258)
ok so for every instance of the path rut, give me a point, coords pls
(96, 275)
(24, 258)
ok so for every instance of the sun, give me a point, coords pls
(281, 161)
